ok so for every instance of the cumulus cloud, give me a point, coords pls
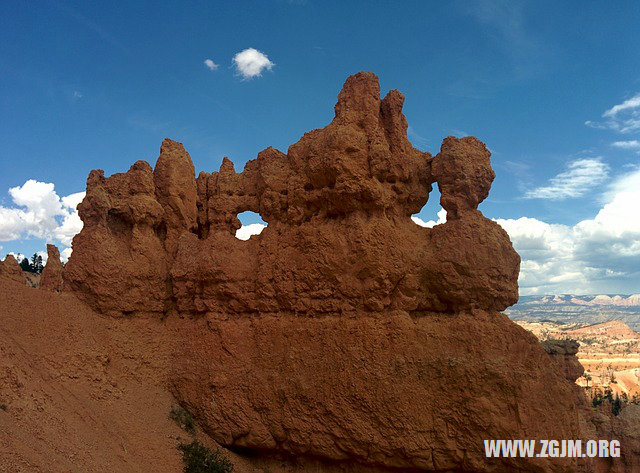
(601, 254)
(623, 117)
(580, 177)
(250, 63)
(64, 255)
(442, 218)
(39, 212)
(212, 66)
(245, 231)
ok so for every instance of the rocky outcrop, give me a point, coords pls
(340, 237)
(564, 353)
(343, 331)
(120, 263)
(10, 269)
(51, 278)
(395, 391)
(626, 429)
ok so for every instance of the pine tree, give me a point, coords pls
(24, 264)
(36, 264)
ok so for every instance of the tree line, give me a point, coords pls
(34, 265)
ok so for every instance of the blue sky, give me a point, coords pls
(86, 86)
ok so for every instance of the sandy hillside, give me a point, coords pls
(79, 395)
(84, 393)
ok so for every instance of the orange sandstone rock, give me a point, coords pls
(51, 278)
(10, 269)
(343, 331)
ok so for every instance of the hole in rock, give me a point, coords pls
(432, 213)
(118, 224)
(161, 231)
(252, 224)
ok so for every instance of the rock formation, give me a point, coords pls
(340, 237)
(564, 353)
(51, 278)
(10, 269)
(343, 331)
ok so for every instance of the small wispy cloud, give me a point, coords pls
(251, 63)
(580, 176)
(459, 133)
(77, 94)
(212, 66)
(416, 138)
(507, 23)
(632, 103)
(623, 117)
(630, 144)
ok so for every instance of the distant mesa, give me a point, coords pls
(632, 300)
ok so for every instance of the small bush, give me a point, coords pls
(183, 418)
(3, 407)
(199, 459)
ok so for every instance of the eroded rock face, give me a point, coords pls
(395, 391)
(121, 261)
(51, 278)
(10, 269)
(564, 353)
(339, 239)
(343, 331)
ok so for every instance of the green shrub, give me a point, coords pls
(183, 418)
(199, 459)
(3, 406)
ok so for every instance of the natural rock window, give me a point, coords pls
(432, 213)
(252, 224)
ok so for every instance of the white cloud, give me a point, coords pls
(39, 212)
(579, 178)
(245, 231)
(70, 227)
(11, 224)
(18, 256)
(597, 255)
(251, 62)
(64, 255)
(632, 103)
(630, 144)
(73, 200)
(442, 218)
(212, 66)
(77, 94)
(623, 117)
